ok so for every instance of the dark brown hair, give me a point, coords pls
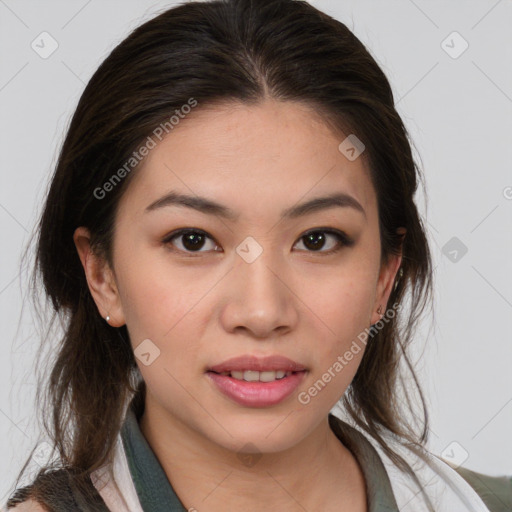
(219, 51)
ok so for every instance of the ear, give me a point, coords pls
(386, 282)
(100, 279)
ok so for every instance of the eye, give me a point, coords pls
(316, 239)
(189, 240)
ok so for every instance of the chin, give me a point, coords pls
(261, 431)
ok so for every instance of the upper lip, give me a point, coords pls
(260, 364)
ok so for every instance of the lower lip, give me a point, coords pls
(257, 394)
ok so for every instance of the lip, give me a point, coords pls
(256, 394)
(260, 364)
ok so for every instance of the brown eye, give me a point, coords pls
(189, 240)
(315, 241)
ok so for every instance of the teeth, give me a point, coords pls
(251, 376)
(254, 376)
(267, 376)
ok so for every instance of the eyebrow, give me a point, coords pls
(207, 206)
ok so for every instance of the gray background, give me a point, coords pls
(458, 109)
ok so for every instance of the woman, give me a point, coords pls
(230, 235)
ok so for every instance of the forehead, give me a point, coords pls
(250, 157)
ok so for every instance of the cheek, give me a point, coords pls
(162, 306)
(170, 306)
(158, 298)
(342, 308)
(342, 303)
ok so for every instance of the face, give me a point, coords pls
(196, 287)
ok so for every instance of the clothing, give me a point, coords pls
(136, 482)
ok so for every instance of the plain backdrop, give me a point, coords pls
(450, 66)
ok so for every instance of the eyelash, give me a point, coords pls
(343, 240)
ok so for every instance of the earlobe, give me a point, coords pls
(389, 274)
(385, 287)
(100, 279)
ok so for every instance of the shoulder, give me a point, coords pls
(57, 491)
(23, 501)
(495, 491)
(29, 506)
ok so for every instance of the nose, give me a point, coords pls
(261, 299)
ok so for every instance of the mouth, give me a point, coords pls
(253, 366)
(257, 376)
(253, 381)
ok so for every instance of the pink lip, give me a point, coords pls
(256, 394)
(260, 364)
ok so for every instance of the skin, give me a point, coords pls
(201, 308)
(29, 506)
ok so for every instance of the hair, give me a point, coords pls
(216, 52)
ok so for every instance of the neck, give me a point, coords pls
(318, 473)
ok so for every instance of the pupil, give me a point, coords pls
(190, 244)
(315, 237)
